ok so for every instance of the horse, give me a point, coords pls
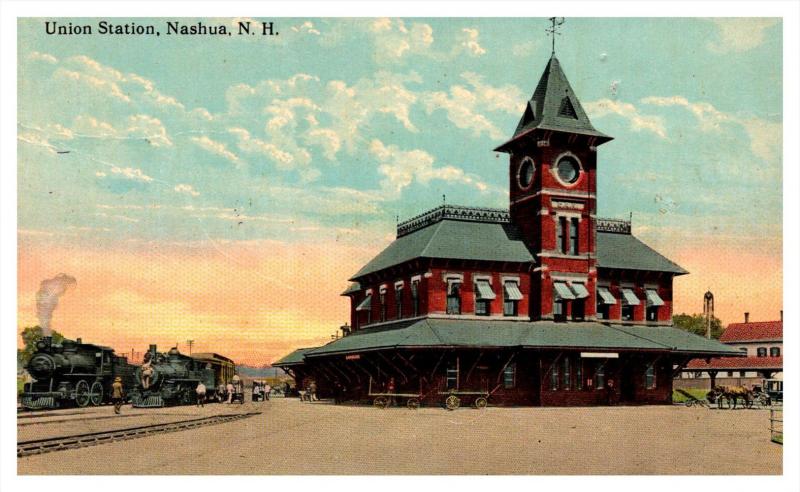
(728, 394)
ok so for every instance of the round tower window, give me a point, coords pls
(526, 170)
(568, 169)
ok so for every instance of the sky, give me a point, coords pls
(224, 188)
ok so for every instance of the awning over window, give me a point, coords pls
(629, 298)
(365, 305)
(606, 297)
(579, 290)
(563, 292)
(653, 299)
(512, 291)
(483, 290)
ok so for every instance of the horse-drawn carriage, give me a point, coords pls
(452, 400)
(730, 396)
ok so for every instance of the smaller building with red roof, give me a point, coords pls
(762, 341)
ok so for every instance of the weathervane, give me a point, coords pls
(555, 23)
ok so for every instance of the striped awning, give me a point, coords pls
(365, 305)
(653, 299)
(629, 297)
(563, 292)
(483, 290)
(512, 291)
(579, 290)
(606, 297)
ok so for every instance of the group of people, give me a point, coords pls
(261, 391)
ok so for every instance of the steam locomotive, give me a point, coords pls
(171, 378)
(73, 373)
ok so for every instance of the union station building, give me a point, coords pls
(542, 303)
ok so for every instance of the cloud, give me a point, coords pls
(638, 121)
(131, 173)
(186, 189)
(739, 34)
(394, 40)
(247, 143)
(327, 139)
(400, 168)
(708, 116)
(464, 105)
(139, 126)
(45, 57)
(468, 40)
(306, 27)
(215, 147)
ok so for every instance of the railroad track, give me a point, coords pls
(39, 446)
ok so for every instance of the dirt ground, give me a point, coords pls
(290, 437)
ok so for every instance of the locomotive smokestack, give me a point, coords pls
(50, 291)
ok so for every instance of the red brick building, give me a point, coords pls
(540, 304)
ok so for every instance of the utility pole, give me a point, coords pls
(190, 343)
(708, 311)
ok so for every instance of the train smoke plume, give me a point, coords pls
(50, 291)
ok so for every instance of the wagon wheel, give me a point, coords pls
(688, 403)
(381, 402)
(481, 402)
(82, 393)
(96, 393)
(452, 402)
(412, 403)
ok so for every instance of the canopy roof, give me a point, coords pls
(455, 333)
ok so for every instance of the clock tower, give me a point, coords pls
(552, 190)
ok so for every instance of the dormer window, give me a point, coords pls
(484, 295)
(453, 296)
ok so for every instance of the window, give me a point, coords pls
(654, 302)
(565, 382)
(629, 301)
(383, 305)
(511, 297)
(573, 236)
(453, 297)
(398, 301)
(483, 297)
(561, 238)
(561, 295)
(509, 375)
(604, 302)
(366, 306)
(568, 170)
(600, 376)
(452, 375)
(559, 313)
(415, 297)
(650, 376)
(762, 351)
(775, 352)
(579, 303)
(578, 309)
(578, 374)
(554, 376)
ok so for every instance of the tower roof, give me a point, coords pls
(554, 107)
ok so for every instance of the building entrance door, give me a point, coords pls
(627, 386)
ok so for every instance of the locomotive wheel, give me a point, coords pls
(82, 393)
(452, 402)
(381, 402)
(412, 403)
(96, 393)
(481, 403)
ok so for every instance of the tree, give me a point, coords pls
(696, 323)
(30, 336)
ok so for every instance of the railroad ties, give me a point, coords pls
(39, 446)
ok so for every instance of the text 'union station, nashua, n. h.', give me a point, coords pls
(541, 304)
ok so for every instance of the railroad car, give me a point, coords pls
(171, 378)
(73, 373)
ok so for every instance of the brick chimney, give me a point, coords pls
(746, 317)
(781, 315)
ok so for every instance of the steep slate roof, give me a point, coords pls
(293, 359)
(760, 330)
(625, 251)
(736, 363)
(434, 332)
(554, 106)
(453, 239)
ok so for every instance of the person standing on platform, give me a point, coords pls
(267, 389)
(117, 394)
(201, 394)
